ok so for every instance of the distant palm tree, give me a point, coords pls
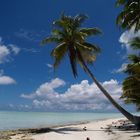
(70, 38)
(131, 84)
(130, 15)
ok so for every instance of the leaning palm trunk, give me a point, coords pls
(134, 119)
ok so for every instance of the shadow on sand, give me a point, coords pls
(121, 125)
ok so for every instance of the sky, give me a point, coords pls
(27, 79)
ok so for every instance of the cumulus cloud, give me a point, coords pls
(81, 97)
(126, 37)
(46, 90)
(6, 51)
(6, 80)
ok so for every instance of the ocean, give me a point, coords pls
(10, 120)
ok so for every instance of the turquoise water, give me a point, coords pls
(15, 120)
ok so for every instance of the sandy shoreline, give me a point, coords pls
(110, 129)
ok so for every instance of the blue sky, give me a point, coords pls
(27, 80)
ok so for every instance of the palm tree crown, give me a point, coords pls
(130, 15)
(71, 39)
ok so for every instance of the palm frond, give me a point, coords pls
(135, 43)
(87, 53)
(120, 2)
(58, 53)
(93, 47)
(130, 15)
(79, 37)
(131, 88)
(120, 17)
(57, 32)
(51, 39)
(62, 22)
(134, 58)
(90, 31)
(79, 19)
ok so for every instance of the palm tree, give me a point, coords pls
(130, 15)
(131, 84)
(70, 38)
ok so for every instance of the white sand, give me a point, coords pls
(95, 131)
(98, 130)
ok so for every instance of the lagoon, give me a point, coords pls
(10, 120)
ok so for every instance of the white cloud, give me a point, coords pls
(19, 107)
(126, 37)
(14, 49)
(82, 96)
(49, 65)
(46, 89)
(6, 80)
(121, 69)
(6, 51)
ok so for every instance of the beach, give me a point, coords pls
(107, 129)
